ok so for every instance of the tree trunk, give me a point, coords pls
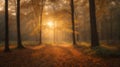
(73, 22)
(94, 33)
(19, 42)
(41, 19)
(7, 49)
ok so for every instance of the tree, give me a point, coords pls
(73, 22)
(18, 26)
(40, 17)
(38, 7)
(6, 27)
(94, 33)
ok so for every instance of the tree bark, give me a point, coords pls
(19, 42)
(7, 49)
(41, 19)
(94, 33)
(73, 22)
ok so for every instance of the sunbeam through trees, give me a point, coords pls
(89, 29)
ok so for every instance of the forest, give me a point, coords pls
(59, 33)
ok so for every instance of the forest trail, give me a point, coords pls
(52, 56)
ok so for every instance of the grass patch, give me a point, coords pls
(104, 51)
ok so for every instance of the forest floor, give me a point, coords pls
(55, 56)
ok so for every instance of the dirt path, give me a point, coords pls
(50, 56)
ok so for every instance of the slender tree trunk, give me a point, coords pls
(41, 19)
(39, 15)
(40, 22)
(40, 28)
(94, 33)
(73, 22)
(19, 42)
(7, 49)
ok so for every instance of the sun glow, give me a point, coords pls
(50, 24)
